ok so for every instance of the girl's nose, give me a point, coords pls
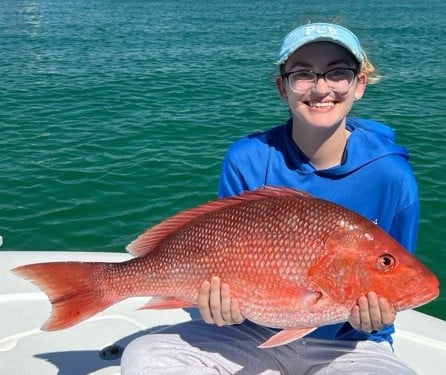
(320, 86)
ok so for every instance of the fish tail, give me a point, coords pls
(73, 288)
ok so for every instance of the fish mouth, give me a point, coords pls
(424, 296)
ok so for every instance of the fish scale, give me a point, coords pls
(293, 261)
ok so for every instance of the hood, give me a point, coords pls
(368, 141)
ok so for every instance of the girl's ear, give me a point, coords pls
(360, 85)
(281, 88)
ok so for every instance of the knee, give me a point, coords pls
(142, 354)
(155, 353)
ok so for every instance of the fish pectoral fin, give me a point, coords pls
(161, 303)
(286, 336)
(294, 295)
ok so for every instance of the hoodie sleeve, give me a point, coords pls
(244, 167)
(404, 227)
(230, 182)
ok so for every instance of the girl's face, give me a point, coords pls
(320, 106)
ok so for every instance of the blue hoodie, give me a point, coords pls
(374, 180)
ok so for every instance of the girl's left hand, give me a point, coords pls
(371, 313)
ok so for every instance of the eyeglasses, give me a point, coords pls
(338, 79)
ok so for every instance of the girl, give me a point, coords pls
(352, 162)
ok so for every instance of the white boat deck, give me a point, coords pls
(94, 346)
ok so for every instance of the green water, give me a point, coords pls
(115, 115)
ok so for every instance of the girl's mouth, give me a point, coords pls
(320, 104)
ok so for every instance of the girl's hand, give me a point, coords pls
(216, 305)
(371, 313)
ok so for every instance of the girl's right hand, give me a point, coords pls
(216, 305)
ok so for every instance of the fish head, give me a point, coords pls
(363, 258)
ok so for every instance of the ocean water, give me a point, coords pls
(115, 115)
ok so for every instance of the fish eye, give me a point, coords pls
(385, 262)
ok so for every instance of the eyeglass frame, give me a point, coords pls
(318, 76)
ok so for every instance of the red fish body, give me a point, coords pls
(293, 261)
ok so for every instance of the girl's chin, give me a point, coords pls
(322, 120)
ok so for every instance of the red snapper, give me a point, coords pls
(292, 260)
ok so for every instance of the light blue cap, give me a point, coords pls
(320, 32)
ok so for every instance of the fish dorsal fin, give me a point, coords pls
(150, 239)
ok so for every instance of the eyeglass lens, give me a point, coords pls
(339, 80)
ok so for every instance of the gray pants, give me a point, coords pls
(195, 348)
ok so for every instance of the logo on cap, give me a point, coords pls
(320, 29)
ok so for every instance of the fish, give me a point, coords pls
(294, 262)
